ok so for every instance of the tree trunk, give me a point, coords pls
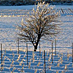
(35, 47)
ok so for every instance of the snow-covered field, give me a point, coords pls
(10, 17)
(14, 63)
(31, 6)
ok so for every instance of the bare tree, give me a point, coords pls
(40, 23)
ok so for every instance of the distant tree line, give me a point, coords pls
(16, 2)
(31, 2)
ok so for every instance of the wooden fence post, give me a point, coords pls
(55, 47)
(62, 10)
(39, 49)
(44, 63)
(1, 57)
(52, 51)
(18, 45)
(72, 52)
(27, 52)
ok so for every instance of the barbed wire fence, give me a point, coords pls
(51, 60)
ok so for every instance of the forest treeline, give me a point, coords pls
(32, 2)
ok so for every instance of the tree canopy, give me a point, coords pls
(41, 22)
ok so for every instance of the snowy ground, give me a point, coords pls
(31, 6)
(12, 62)
(10, 17)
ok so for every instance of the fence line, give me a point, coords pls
(27, 55)
(40, 66)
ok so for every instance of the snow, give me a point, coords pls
(8, 38)
(8, 23)
(11, 60)
(64, 6)
(17, 7)
(26, 7)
